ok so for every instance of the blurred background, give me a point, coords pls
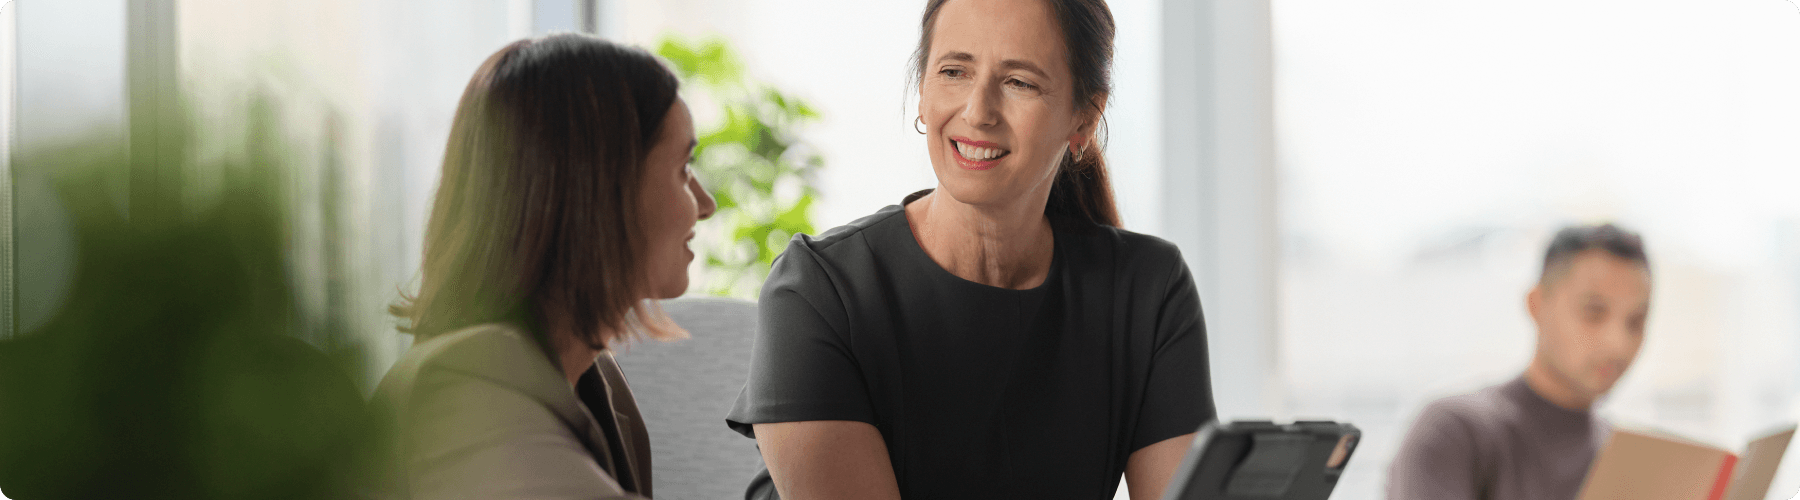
(1363, 188)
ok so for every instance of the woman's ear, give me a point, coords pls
(1088, 120)
(1078, 141)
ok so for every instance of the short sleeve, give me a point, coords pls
(1178, 392)
(1437, 459)
(801, 364)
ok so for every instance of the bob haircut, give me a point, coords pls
(536, 220)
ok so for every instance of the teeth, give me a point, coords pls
(977, 153)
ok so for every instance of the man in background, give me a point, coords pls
(1535, 436)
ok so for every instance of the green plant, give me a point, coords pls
(180, 365)
(753, 162)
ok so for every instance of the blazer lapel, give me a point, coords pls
(598, 445)
(578, 405)
(634, 436)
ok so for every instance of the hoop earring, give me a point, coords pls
(1079, 153)
(918, 122)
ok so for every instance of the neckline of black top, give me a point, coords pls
(915, 252)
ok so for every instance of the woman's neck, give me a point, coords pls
(574, 356)
(1009, 247)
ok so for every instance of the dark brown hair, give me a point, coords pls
(536, 216)
(1573, 240)
(1082, 190)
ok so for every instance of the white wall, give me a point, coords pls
(849, 60)
(1429, 149)
(71, 83)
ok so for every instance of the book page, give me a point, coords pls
(1757, 469)
(1641, 466)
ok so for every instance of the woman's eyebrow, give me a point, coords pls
(1005, 64)
(956, 56)
(1024, 65)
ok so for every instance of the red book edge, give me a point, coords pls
(1723, 482)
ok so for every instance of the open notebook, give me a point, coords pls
(1639, 465)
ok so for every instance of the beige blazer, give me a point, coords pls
(482, 413)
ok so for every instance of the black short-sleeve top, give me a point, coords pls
(979, 391)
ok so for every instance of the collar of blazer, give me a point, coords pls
(510, 356)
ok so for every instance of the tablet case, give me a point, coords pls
(1263, 460)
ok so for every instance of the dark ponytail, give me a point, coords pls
(1082, 190)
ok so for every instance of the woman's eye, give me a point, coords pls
(951, 72)
(1020, 84)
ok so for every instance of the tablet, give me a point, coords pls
(1262, 460)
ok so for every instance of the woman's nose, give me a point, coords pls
(979, 110)
(707, 204)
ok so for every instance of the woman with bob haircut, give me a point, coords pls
(566, 205)
(999, 336)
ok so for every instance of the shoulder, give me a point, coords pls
(499, 354)
(481, 348)
(855, 234)
(482, 412)
(815, 271)
(1441, 443)
(1144, 251)
(1134, 249)
(837, 253)
(1152, 264)
(1444, 454)
(1463, 417)
(1461, 411)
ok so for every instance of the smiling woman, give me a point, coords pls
(998, 336)
(1073, 100)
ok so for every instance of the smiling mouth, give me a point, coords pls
(978, 157)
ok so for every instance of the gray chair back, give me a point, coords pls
(684, 389)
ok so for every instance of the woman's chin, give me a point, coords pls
(977, 192)
(673, 290)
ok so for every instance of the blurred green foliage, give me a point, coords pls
(176, 367)
(753, 162)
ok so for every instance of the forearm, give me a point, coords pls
(1148, 470)
(827, 460)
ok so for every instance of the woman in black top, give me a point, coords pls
(999, 336)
